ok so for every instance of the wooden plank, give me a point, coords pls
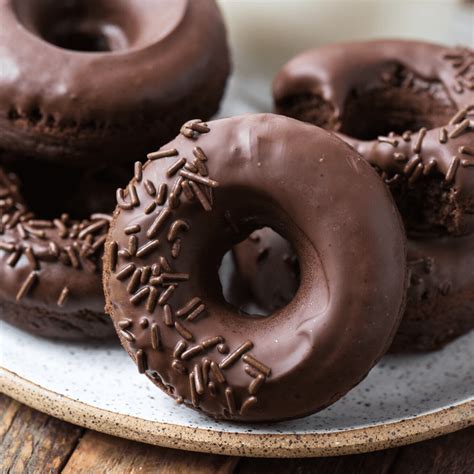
(379, 462)
(100, 453)
(453, 454)
(31, 441)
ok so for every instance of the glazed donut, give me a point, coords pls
(102, 81)
(209, 189)
(370, 90)
(50, 270)
(391, 100)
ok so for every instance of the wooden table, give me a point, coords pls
(31, 442)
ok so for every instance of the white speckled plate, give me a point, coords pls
(404, 399)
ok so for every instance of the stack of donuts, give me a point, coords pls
(86, 87)
(348, 214)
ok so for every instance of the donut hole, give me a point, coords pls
(87, 37)
(396, 100)
(403, 101)
(88, 26)
(260, 275)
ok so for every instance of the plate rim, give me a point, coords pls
(358, 440)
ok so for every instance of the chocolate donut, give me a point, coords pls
(392, 101)
(102, 81)
(206, 191)
(50, 270)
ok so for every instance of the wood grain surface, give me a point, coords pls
(31, 442)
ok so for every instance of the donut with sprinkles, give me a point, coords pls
(50, 270)
(408, 108)
(209, 189)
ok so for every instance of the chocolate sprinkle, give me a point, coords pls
(257, 364)
(229, 395)
(152, 300)
(140, 357)
(132, 229)
(460, 128)
(453, 167)
(419, 140)
(218, 375)
(162, 193)
(173, 169)
(199, 179)
(158, 222)
(196, 313)
(200, 196)
(140, 295)
(138, 171)
(124, 323)
(125, 272)
(248, 403)
(155, 337)
(168, 315)
(256, 384)
(121, 200)
(63, 296)
(198, 153)
(134, 281)
(198, 381)
(27, 285)
(188, 307)
(132, 245)
(234, 356)
(192, 388)
(183, 331)
(191, 352)
(150, 187)
(211, 342)
(179, 349)
(177, 226)
(148, 248)
(166, 295)
(466, 150)
(162, 154)
(127, 335)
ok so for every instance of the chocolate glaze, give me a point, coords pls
(50, 270)
(353, 276)
(167, 59)
(336, 71)
(435, 83)
(440, 161)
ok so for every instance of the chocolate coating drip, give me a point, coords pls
(262, 170)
